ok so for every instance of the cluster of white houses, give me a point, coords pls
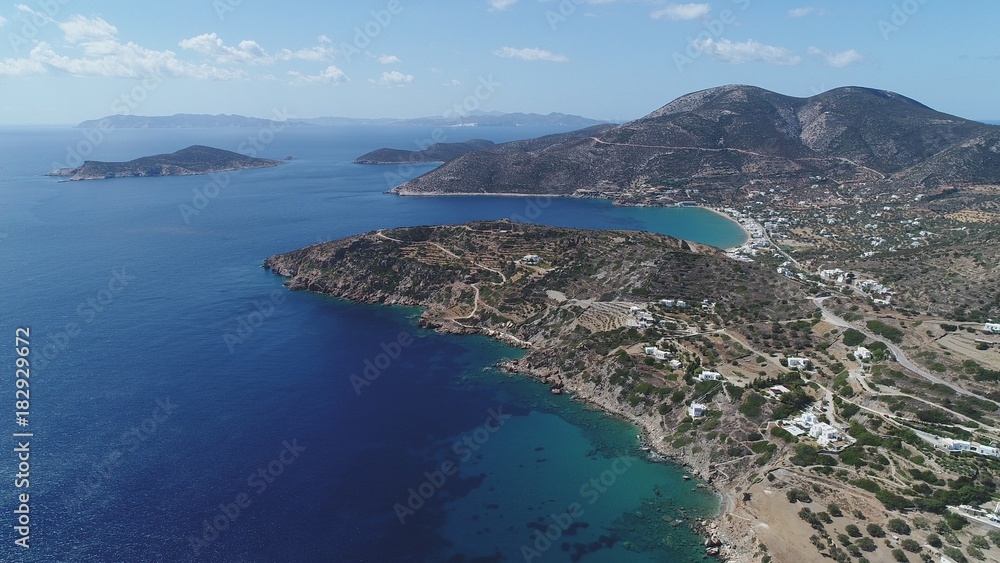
(992, 328)
(807, 423)
(661, 355)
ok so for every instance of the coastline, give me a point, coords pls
(714, 529)
(748, 236)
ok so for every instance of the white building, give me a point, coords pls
(806, 420)
(668, 303)
(795, 363)
(862, 354)
(531, 259)
(824, 433)
(656, 352)
(779, 390)
(707, 375)
(952, 446)
(696, 410)
(992, 327)
(675, 364)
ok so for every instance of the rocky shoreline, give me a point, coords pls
(445, 269)
(720, 541)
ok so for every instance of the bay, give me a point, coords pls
(169, 369)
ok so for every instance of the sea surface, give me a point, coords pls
(184, 406)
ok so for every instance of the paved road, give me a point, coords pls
(900, 356)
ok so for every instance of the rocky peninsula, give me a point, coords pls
(583, 303)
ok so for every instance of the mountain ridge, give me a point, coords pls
(721, 139)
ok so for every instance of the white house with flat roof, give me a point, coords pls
(707, 375)
(992, 327)
(697, 410)
(862, 354)
(824, 433)
(795, 363)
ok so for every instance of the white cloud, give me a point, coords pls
(453, 82)
(499, 5)
(80, 29)
(113, 59)
(331, 75)
(806, 11)
(388, 59)
(837, 60)
(682, 12)
(104, 55)
(93, 49)
(250, 52)
(211, 45)
(394, 78)
(3, 21)
(529, 54)
(744, 52)
(39, 16)
(324, 52)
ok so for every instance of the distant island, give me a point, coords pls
(183, 121)
(473, 119)
(196, 159)
(439, 152)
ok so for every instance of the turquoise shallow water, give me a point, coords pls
(193, 320)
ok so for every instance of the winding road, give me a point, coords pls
(897, 352)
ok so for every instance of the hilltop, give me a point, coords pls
(196, 159)
(720, 140)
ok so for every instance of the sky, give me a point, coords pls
(65, 61)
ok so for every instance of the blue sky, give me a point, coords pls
(63, 61)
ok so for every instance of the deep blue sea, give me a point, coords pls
(184, 406)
